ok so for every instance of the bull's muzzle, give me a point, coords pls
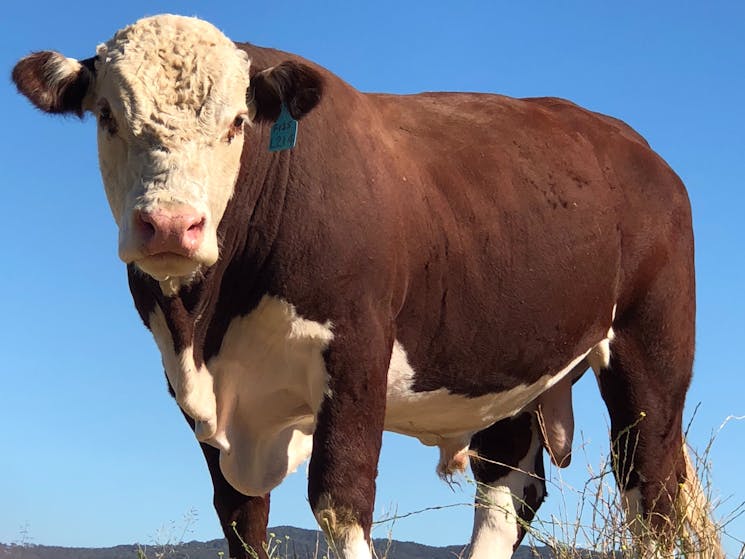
(178, 231)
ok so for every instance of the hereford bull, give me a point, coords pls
(442, 265)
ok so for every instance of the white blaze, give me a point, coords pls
(174, 86)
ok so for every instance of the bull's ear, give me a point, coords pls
(55, 83)
(295, 85)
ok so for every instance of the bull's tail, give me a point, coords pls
(698, 533)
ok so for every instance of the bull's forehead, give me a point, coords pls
(173, 76)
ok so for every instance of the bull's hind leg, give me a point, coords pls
(644, 387)
(644, 382)
(507, 462)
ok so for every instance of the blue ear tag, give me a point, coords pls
(284, 131)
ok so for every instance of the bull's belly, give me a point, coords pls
(439, 417)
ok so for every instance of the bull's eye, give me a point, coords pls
(236, 127)
(105, 119)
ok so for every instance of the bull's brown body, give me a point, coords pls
(495, 239)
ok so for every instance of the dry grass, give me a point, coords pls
(591, 518)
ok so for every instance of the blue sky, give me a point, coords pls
(94, 452)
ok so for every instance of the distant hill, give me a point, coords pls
(294, 543)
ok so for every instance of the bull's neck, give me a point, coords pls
(252, 219)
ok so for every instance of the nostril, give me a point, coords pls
(193, 234)
(145, 224)
(197, 226)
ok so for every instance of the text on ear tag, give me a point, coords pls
(284, 131)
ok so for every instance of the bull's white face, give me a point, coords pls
(170, 99)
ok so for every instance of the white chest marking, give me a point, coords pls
(264, 387)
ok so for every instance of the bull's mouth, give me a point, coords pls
(167, 265)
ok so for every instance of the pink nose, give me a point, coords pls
(163, 231)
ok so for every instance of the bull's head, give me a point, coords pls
(170, 95)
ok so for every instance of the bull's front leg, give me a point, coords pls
(243, 519)
(347, 439)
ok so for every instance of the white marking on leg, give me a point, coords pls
(495, 519)
(631, 501)
(351, 544)
(344, 535)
